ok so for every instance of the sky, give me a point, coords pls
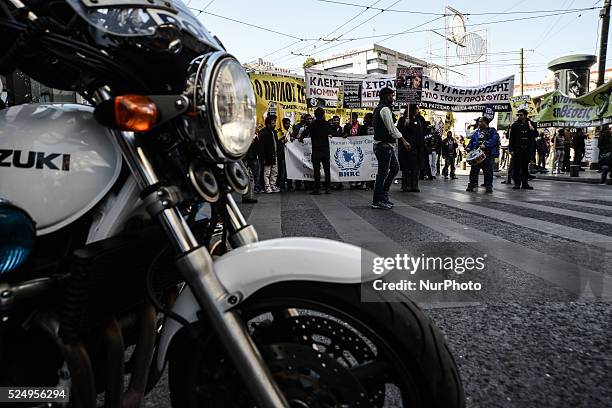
(300, 24)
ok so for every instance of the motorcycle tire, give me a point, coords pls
(407, 361)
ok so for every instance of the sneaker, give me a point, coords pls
(386, 201)
(380, 205)
(275, 189)
(268, 190)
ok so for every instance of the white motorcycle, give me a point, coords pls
(101, 249)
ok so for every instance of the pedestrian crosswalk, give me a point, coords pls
(559, 247)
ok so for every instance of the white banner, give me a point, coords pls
(323, 86)
(322, 90)
(351, 159)
(443, 97)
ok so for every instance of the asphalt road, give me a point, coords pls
(540, 334)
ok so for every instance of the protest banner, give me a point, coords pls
(438, 96)
(322, 87)
(409, 82)
(281, 95)
(351, 159)
(523, 102)
(352, 95)
(592, 109)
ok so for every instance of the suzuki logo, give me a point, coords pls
(39, 160)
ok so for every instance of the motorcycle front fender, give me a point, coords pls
(247, 269)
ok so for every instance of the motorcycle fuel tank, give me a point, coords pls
(56, 162)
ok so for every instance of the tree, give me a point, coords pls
(309, 62)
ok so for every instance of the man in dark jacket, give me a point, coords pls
(579, 143)
(605, 152)
(449, 151)
(522, 145)
(319, 132)
(410, 159)
(251, 162)
(267, 155)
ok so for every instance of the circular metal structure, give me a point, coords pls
(456, 29)
(473, 48)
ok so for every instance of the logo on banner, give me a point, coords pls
(348, 158)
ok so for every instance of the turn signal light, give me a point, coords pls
(135, 113)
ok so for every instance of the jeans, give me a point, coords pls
(559, 159)
(487, 169)
(433, 163)
(250, 193)
(270, 173)
(387, 170)
(319, 158)
(449, 161)
(253, 166)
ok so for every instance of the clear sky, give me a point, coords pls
(308, 20)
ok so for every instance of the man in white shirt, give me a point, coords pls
(385, 137)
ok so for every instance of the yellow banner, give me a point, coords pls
(523, 102)
(284, 96)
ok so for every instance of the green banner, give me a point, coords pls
(592, 109)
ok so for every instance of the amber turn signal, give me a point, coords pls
(135, 113)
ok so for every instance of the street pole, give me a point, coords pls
(523, 70)
(604, 14)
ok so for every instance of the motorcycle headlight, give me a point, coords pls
(224, 121)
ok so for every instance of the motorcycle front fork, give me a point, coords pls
(196, 266)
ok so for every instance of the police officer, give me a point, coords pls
(522, 145)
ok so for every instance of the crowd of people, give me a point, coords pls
(413, 146)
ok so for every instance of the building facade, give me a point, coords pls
(374, 59)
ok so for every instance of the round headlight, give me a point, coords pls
(233, 107)
(17, 234)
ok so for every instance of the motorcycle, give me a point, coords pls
(106, 269)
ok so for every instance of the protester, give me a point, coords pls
(285, 136)
(579, 145)
(385, 136)
(522, 145)
(559, 151)
(251, 162)
(487, 139)
(411, 127)
(350, 130)
(449, 151)
(461, 151)
(437, 153)
(504, 142)
(368, 130)
(319, 132)
(428, 148)
(268, 155)
(336, 131)
(605, 152)
(542, 149)
(353, 128)
(567, 146)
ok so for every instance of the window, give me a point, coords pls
(379, 60)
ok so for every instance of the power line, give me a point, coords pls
(444, 14)
(248, 24)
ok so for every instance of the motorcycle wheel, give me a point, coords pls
(325, 349)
